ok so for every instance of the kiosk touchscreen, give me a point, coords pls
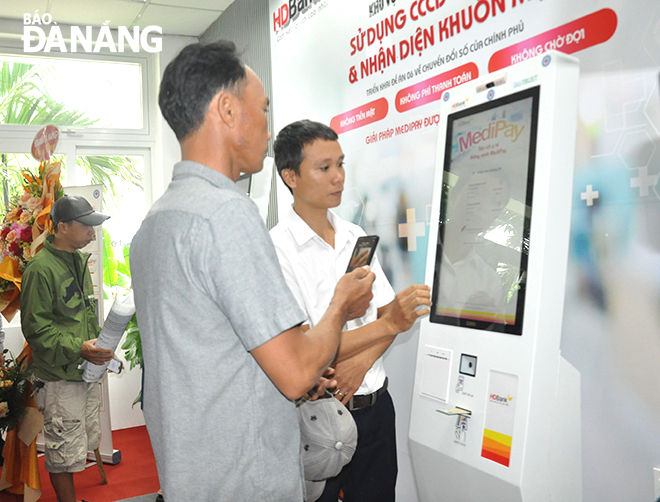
(496, 409)
(488, 168)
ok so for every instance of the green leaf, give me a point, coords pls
(110, 276)
(133, 345)
(109, 271)
(127, 259)
(138, 399)
(122, 269)
(122, 280)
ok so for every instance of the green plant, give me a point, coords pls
(132, 347)
(117, 273)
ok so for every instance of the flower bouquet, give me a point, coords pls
(24, 229)
(15, 390)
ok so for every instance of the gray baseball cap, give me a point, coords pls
(328, 438)
(75, 207)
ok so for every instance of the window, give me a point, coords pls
(68, 92)
(104, 105)
(124, 200)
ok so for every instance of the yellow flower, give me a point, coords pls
(4, 409)
(6, 383)
(33, 203)
(25, 217)
(14, 214)
(11, 236)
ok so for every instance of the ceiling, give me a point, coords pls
(175, 17)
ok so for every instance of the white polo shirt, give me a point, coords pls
(312, 269)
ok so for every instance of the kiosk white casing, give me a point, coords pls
(522, 440)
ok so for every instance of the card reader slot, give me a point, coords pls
(456, 410)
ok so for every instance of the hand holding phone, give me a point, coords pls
(363, 252)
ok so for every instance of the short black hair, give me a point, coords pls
(191, 80)
(292, 139)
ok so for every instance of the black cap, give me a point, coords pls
(75, 207)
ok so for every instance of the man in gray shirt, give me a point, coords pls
(224, 354)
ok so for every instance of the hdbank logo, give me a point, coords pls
(41, 34)
(289, 11)
(496, 398)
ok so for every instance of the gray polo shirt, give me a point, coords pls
(208, 289)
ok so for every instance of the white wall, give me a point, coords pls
(168, 144)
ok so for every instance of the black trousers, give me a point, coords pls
(371, 475)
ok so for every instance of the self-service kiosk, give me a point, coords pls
(496, 409)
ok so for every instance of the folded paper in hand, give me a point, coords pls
(115, 324)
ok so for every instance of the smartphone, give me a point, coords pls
(363, 252)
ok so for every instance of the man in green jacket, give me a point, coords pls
(59, 322)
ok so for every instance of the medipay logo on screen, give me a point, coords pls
(39, 35)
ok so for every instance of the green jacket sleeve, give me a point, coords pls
(51, 343)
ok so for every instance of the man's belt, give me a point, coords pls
(366, 400)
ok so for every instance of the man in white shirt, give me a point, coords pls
(314, 246)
